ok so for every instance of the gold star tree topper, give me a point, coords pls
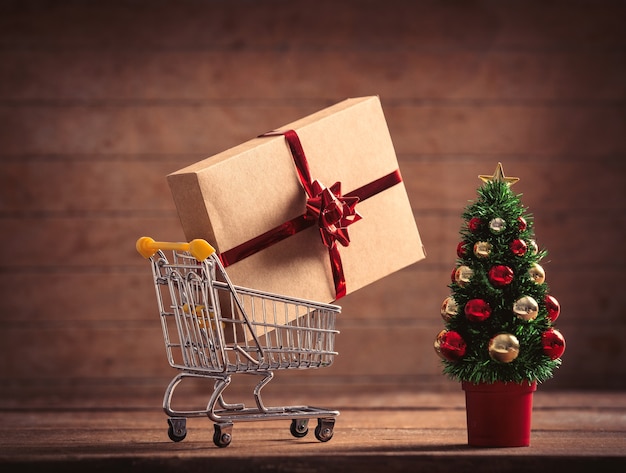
(498, 176)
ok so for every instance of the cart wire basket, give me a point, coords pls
(213, 329)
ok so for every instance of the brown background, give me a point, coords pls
(99, 101)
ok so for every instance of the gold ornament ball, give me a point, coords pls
(537, 274)
(504, 347)
(437, 343)
(497, 225)
(449, 308)
(532, 244)
(463, 275)
(526, 308)
(482, 249)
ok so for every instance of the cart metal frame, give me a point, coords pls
(213, 329)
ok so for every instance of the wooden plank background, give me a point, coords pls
(99, 101)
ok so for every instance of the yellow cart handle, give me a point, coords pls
(199, 249)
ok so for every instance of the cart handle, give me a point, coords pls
(199, 249)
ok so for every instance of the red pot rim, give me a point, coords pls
(500, 386)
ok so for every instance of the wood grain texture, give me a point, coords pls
(207, 128)
(396, 74)
(99, 101)
(393, 431)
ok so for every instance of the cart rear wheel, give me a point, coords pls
(324, 429)
(223, 434)
(299, 427)
(177, 430)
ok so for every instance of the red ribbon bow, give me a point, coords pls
(332, 212)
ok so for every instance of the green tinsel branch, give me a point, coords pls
(496, 200)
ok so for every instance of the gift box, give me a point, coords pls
(315, 209)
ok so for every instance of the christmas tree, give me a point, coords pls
(499, 318)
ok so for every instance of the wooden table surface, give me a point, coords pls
(122, 429)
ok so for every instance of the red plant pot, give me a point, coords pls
(499, 414)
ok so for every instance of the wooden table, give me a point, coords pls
(120, 429)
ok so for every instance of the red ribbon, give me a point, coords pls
(326, 207)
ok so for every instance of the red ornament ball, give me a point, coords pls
(553, 343)
(461, 249)
(477, 310)
(553, 307)
(518, 247)
(474, 224)
(449, 345)
(500, 275)
(521, 224)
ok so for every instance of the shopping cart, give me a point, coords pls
(213, 329)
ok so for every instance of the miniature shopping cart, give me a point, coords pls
(213, 329)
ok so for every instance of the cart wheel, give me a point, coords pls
(177, 430)
(299, 427)
(324, 429)
(223, 434)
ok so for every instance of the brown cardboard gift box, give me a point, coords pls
(239, 194)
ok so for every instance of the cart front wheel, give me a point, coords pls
(324, 429)
(299, 427)
(223, 434)
(177, 430)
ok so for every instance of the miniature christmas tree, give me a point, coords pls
(499, 316)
